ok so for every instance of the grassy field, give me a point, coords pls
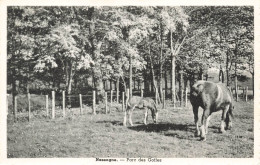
(103, 135)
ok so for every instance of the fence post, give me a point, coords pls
(243, 94)
(15, 108)
(47, 105)
(123, 101)
(142, 93)
(127, 93)
(156, 99)
(163, 99)
(246, 92)
(186, 97)
(80, 103)
(236, 88)
(117, 96)
(63, 103)
(53, 104)
(181, 100)
(94, 102)
(29, 107)
(106, 102)
(111, 99)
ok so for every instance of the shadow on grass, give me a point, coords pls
(114, 122)
(163, 127)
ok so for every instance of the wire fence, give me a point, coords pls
(57, 105)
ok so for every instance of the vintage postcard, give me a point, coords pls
(129, 82)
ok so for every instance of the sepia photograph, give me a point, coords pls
(130, 83)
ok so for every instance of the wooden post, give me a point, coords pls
(63, 103)
(80, 103)
(111, 99)
(164, 99)
(181, 100)
(53, 104)
(142, 93)
(236, 89)
(106, 102)
(127, 93)
(123, 101)
(47, 105)
(29, 106)
(15, 108)
(117, 96)
(246, 92)
(94, 102)
(186, 97)
(156, 95)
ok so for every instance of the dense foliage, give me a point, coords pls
(63, 48)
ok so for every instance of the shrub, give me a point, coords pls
(37, 102)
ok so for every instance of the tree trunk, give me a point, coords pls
(181, 86)
(152, 70)
(221, 75)
(227, 68)
(173, 70)
(161, 66)
(27, 87)
(100, 93)
(253, 85)
(14, 92)
(236, 88)
(130, 75)
(111, 84)
(93, 82)
(124, 83)
(165, 81)
(201, 74)
(70, 76)
(117, 85)
(69, 86)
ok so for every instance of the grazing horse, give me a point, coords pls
(211, 97)
(142, 103)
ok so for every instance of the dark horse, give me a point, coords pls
(211, 97)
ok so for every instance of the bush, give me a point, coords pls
(37, 102)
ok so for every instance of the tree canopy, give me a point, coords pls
(64, 47)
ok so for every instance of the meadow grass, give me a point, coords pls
(103, 135)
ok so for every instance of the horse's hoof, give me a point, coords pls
(228, 128)
(221, 131)
(202, 138)
(197, 134)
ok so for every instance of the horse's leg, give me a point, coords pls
(126, 112)
(207, 124)
(224, 119)
(196, 119)
(155, 120)
(154, 115)
(145, 115)
(130, 115)
(229, 119)
(204, 121)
